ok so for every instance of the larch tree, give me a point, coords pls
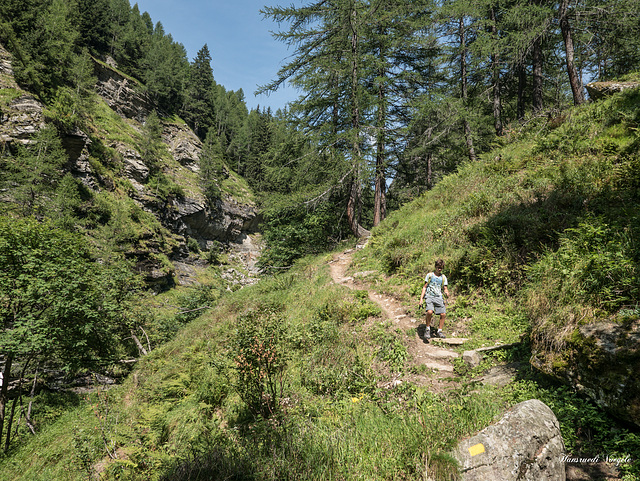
(198, 109)
(328, 67)
(355, 62)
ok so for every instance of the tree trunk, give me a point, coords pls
(522, 87)
(14, 403)
(379, 200)
(495, 63)
(7, 441)
(141, 349)
(538, 103)
(354, 204)
(574, 78)
(4, 389)
(537, 67)
(380, 208)
(463, 75)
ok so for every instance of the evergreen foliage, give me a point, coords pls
(280, 379)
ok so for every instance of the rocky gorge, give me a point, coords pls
(599, 360)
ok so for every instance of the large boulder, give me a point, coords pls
(600, 90)
(601, 360)
(525, 445)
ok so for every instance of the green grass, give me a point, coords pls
(304, 401)
(181, 415)
(8, 95)
(500, 223)
(183, 404)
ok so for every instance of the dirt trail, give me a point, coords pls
(438, 360)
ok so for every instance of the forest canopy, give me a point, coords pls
(394, 94)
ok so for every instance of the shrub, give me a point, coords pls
(596, 264)
(259, 356)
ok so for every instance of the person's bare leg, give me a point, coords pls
(427, 330)
(442, 318)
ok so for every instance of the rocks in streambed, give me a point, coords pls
(525, 445)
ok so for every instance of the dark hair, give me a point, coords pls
(440, 263)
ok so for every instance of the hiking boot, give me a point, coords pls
(441, 335)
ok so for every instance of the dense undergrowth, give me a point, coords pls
(284, 379)
(281, 381)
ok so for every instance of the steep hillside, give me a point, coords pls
(141, 195)
(300, 377)
(548, 221)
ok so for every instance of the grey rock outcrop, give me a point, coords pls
(6, 68)
(600, 90)
(186, 216)
(601, 360)
(228, 221)
(22, 116)
(525, 445)
(122, 94)
(134, 168)
(184, 145)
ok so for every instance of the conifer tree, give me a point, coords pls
(135, 42)
(329, 66)
(212, 169)
(615, 36)
(93, 25)
(165, 70)
(198, 108)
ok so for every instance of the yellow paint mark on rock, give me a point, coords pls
(477, 449)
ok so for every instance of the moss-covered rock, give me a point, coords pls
(600, 90)
(603, 361)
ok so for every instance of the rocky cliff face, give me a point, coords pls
(229, 222)
(122, 94)
(21, 115)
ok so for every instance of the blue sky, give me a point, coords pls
(244, 54)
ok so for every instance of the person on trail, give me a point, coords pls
(435, 284)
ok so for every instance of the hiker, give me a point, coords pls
(434, 285)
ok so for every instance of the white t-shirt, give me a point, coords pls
(435, 284)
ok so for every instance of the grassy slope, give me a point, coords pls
(555, 204)
(500, 224)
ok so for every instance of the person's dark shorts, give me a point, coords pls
(435, 304)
